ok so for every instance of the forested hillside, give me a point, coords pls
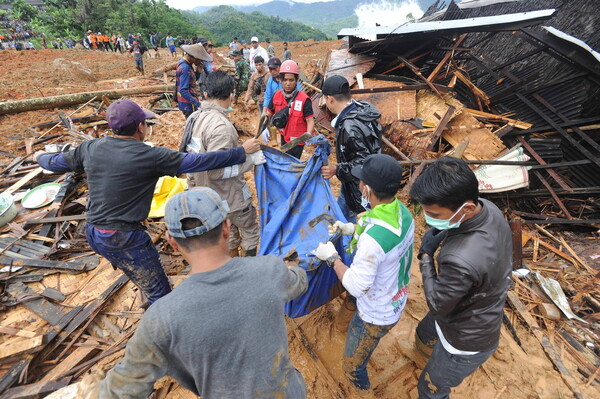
(224, 22)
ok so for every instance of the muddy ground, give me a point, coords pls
(512, 372)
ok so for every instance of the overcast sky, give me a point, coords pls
(189, 4)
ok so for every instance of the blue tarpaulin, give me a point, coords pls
(291, 193)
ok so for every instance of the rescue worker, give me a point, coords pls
(357, 135)
(222, 332)
(121, 190)
(255, 50)
(242, 73)
(270, 48)
(287, 54)
(258, 84)
(187, 74)
(379, 274)
(467, 292)
(211, 130)
(300, 118)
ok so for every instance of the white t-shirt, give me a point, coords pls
(449, 348)
(373, 279)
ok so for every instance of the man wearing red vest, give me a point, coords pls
(300, 119)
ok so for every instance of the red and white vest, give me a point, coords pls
(296, 125)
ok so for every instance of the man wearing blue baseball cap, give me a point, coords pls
(221, 333)
(378, 277)
(121, 174)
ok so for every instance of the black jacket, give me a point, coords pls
(358, 135)
(466, 297)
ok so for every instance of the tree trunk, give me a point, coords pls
(32, 104)
(166, 68)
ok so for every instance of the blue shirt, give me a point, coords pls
(272, 87)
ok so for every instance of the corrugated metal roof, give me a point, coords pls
(562, 35)
(427, 27)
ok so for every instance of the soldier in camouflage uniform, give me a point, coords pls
(242, 73)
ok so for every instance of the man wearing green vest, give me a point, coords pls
(378, 277)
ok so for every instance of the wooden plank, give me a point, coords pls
(42, 263)
(56, 219)
(20, 345)
(76, 357)
(476, 90)
(35, 390)
(40, 306)
(553, 193)
(24, 180)
(554, 357)
(417, 72)
(549, 247)
(447, 56)
(440, 127)
(17, 332)
(511, 122)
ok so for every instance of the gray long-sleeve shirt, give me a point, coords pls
(220, 334)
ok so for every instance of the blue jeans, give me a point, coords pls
(347, 212)
(444, 370)
(135, 255)
(361, 341)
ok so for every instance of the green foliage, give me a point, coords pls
(72, 18)
(225, 22)
(23, 11)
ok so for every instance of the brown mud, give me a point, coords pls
(315, 344)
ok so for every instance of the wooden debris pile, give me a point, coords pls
(557, 296)
(63, 311)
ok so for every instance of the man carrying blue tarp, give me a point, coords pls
(378, 276)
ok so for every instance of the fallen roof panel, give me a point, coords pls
(562, 35)
(497, 22)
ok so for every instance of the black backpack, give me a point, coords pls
(259, 85)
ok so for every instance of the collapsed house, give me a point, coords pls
(481, 80)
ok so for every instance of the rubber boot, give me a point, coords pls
(234, 252)
(345, 313)
(251, 252)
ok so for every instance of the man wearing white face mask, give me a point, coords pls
(379, 274)
(466, 294)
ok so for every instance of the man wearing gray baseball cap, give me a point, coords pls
(121, 174)
(221, 333)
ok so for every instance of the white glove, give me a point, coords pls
(258, 157)
(266, 135)
(325, 250)
(347, 229)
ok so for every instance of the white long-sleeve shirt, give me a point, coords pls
(256, 52)
(375, 277)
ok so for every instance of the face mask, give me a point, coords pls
(441, 224)
(229, 109)
(364, 199)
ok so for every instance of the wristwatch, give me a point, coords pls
(331, 260)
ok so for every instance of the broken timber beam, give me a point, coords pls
(42, 263)
(440, 127)
(56, 219)
(554, 357)
(449, 54)
(417, 72)
(32, 104)
(538, 158)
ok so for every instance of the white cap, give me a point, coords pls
(254, 39)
